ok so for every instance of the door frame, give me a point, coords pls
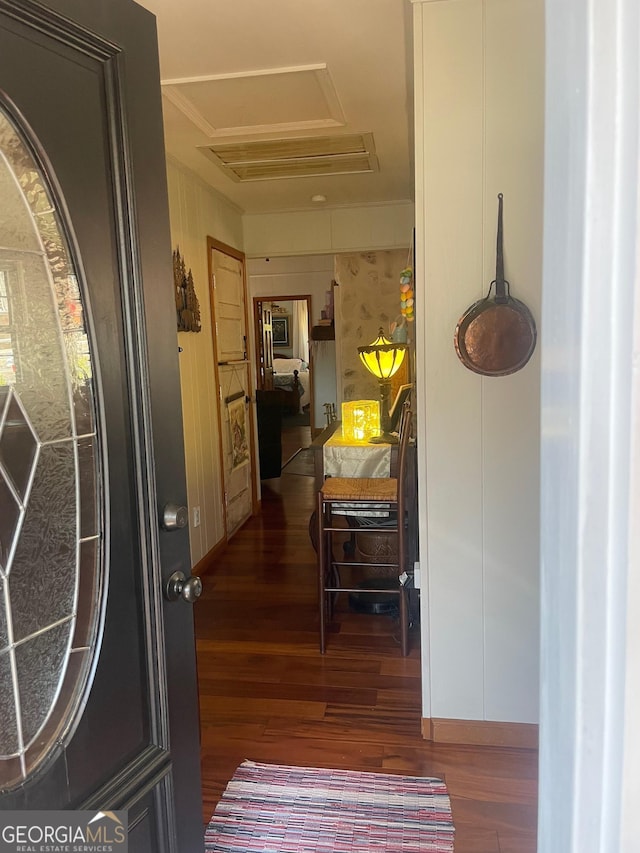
(213, 244)
(264, 371)
(300, 297)
(590, 431)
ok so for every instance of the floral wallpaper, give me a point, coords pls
(369, 299)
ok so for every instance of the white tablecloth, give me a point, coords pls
(348, 458)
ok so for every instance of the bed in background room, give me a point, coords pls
(292, 376)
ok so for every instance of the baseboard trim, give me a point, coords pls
(480, 733)
(206, 563)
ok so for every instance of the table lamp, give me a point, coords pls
(382, 358)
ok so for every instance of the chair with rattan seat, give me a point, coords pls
(385, 497)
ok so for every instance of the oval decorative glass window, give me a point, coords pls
(51, 512)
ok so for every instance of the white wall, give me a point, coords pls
(479, 131)
(298, 276)
(196, 212)
(315, 232)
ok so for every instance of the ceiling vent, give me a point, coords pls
(311, 156)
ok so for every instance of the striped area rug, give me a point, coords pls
(268, 808)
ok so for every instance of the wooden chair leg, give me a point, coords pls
(404, 623)
(404, 601)
(313, 529)
(334, 581)
(322, 547)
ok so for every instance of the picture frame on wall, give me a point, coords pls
(280, 328)
(238, 432)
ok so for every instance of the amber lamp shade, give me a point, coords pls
(383, 358)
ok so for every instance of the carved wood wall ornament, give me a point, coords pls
(187, 305)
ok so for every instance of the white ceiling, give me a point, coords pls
(250, 70)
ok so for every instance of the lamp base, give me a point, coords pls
(384, 438)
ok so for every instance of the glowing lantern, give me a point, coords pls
(360, 419)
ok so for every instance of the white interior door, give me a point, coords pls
(234, 381)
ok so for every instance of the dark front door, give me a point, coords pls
(98, 693)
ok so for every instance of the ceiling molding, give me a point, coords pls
(316, 79)
(234, 75)
(328, 208)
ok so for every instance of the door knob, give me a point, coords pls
(178, 586)
(174, 517)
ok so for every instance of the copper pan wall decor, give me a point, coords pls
(496, 335)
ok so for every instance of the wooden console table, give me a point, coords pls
(317, 445)
(411, 480)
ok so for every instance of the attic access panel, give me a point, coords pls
(294, 158)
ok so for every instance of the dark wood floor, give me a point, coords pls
(293, 439)
(267, 694)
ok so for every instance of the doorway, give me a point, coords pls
(284, 374)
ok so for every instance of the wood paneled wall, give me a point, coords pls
(197, 212)
(479, 84)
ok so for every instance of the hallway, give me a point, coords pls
(266, 693)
